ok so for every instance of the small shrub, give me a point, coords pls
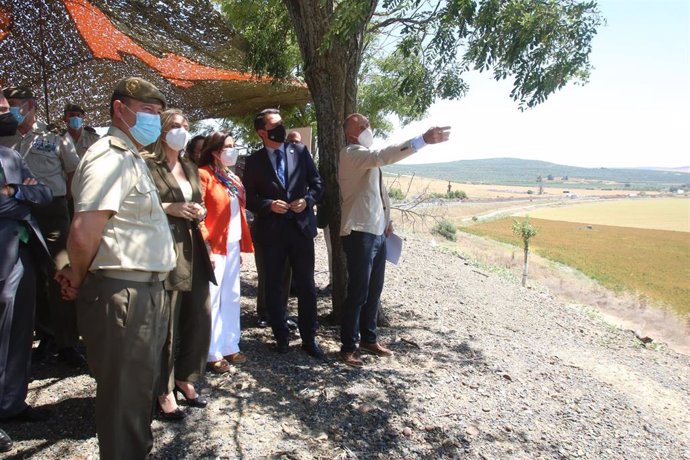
(457, 195)
(396, 194)
(446, 229)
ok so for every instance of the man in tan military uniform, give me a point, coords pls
(120, 249)
(52, 160)
(82, 136)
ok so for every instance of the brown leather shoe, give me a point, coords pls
(376, 348)
(351, 359)
(236, 358)
(219, 367)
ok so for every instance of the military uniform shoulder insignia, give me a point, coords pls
(118, 143)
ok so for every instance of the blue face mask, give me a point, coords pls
(17, 112)
(147, 127)
(76, 122)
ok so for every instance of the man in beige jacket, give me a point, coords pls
(364, 226)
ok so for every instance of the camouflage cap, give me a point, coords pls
(139, 89)
(18, 92)
(74, 108)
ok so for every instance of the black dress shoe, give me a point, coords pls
(196, 402)
(283, 347)
(291, 324)
(313, 349)
(30, 415)
(5, 442)
(262, 322)
(175, 416)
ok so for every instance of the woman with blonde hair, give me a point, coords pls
(227, 234)
(189, 333)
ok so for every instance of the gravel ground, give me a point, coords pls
(483, 369)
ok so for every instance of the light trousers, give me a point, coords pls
(225, 304)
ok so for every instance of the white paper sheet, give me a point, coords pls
(393, 248)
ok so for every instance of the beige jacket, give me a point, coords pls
(365, 205)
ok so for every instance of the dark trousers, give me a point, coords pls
(366, 267)
(55, 317)
(298, 251)
(189, 330)
(261, 311)
(17, 302)
(124, 325)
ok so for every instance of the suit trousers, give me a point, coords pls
(124, 325)
(189, 330)
(298, 250)
(55, 317)
(17, 302)
(261, 310)
(225, 304)
(366, 267)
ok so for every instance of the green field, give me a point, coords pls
(653, 263)
(658, 214)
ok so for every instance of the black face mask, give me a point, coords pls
(277, 134)
(8, 124)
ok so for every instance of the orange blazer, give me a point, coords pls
(215, 227)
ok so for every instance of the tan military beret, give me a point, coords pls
(139, 89)
(17, 92)
(74, 108)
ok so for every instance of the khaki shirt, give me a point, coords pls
(86, 140)
(49, 157)
(112, 176)
(365, 202)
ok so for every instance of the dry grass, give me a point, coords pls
(658, 214)
(651, 263)
(417, 185)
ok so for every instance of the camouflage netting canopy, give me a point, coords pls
(75, 50)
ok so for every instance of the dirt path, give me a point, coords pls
(483, 369)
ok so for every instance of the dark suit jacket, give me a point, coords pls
(186, 233)
(263, 187)
(14, 212)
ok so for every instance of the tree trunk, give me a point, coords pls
(524, 268)
(331, 76)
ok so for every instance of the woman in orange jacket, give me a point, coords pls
(227, 234)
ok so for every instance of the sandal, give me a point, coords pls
(236, 358)
(219, 367)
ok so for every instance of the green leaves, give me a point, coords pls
(542, 45)
(524, 230)
(271, 44)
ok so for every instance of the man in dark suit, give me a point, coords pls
(282, 186)
(22, 252)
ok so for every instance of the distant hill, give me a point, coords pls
(514, 171)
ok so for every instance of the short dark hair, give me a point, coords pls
(260, 119)
(194, 140)
(212, 142)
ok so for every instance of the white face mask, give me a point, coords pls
(228, 156)
(177, 138)
(366, 138)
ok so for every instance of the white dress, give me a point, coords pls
(225, 298)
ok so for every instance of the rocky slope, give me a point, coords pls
(483, 369)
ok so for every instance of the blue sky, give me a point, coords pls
(634, 112)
